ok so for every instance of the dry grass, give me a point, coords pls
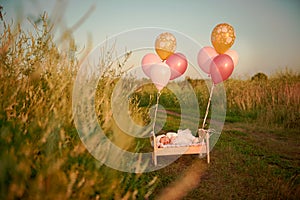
(275, 101)
(41, 153)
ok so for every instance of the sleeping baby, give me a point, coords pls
(182, 137)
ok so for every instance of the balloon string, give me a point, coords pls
(156, 107)
(208, 104)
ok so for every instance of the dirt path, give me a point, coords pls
(278, 140)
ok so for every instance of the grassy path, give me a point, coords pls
(248, 162)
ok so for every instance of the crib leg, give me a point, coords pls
(207, 147)
(154, 157)
(208, 158)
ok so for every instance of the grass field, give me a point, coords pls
(42, 156)
(248, 162)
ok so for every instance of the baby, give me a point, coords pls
(167, 139)
(183, 137)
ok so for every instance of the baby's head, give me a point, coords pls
(164, 140)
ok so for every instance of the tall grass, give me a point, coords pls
(275, 101)
(271, 102)
(41, 154)
(36, 122)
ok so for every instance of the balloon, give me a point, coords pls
(147, 61)
(221, 68)
(205, 57)
(234, 56)
(160, 75)
(165, 45)
(222, 37)
(178, 64)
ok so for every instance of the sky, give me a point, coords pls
(267, 31)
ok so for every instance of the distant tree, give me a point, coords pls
(259, 77)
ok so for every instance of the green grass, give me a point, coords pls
(242, 167)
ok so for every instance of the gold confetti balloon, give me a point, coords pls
(165, 45)
(222, 37)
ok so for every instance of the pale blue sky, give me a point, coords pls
(267, 31)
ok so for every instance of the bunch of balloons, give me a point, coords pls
(165, 65)
(219, 61)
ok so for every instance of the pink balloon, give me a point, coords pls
(234, 56)
(178, 64)
(160, 75)
(148, 60)
(205, 57)
(221, 68)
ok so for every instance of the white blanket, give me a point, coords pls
(181, 138)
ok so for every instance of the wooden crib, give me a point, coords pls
(201, 148)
